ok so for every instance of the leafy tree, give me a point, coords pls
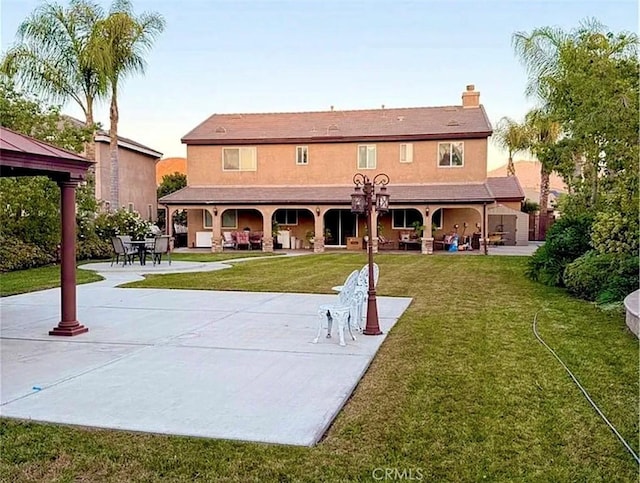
(544, 134)
(171, 183)
(26, 115)
(512, 136)
(30, 207)
(587, 80)
(119, 44)
(52, 59)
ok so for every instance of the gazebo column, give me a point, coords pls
(69, 325)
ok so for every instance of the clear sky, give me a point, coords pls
(228, 56)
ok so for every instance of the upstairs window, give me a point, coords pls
(239, 159)
(367, 156)
(406, 153)
(302, 155)
(450, 155)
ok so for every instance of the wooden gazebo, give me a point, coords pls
(22, 155)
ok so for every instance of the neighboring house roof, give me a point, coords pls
(416, 123)
(103, 136)
(528, 174)
(169, 166)
(424, 193)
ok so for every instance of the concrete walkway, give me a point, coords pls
(231, 365)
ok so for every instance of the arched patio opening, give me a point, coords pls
(295, 228)
(340, 224)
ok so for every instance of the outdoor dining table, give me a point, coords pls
(142, 250)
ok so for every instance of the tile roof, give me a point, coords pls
(505, 188)
(426, 193)
(414, 123)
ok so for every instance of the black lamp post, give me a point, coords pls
(362, 203)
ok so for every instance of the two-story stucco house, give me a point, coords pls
(249, 170)
(136, 175)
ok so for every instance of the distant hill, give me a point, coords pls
(170, 166)
(528, 173)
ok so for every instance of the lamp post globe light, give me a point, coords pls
(362, 202)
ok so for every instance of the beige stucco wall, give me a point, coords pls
(335, 164)
(137, 173)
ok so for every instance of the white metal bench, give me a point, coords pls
(361, 295)
(343, 310)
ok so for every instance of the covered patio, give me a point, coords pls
(319, 217)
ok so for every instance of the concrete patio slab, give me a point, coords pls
(214, 364)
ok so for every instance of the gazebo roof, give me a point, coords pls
(21, 155)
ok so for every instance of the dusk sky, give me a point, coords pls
(307, 55)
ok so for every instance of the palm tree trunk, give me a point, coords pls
(511, 169)
(114, 190)
(544, 200)
(90, 148)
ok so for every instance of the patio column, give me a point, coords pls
(69, 325)
(267, 229)
(216, 231)
(318, 232)
(427, 233)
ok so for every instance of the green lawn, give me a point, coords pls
(460, 391)
(41, 278)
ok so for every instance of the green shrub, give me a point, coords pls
(17, 255)
(624, 279)
(586, 276)
(93, 249)
(567, 239)
(604, 278)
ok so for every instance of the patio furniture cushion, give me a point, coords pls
(228, 240)
(242, 239)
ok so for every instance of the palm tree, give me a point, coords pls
(119, 44)
(52, 59)
(544, 134)
(512, 136)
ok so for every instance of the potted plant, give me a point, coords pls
(418, 228)
(310, 238)
(275, 229)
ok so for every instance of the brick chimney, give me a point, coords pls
(471, 97)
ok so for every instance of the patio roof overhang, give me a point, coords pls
(296, 195)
